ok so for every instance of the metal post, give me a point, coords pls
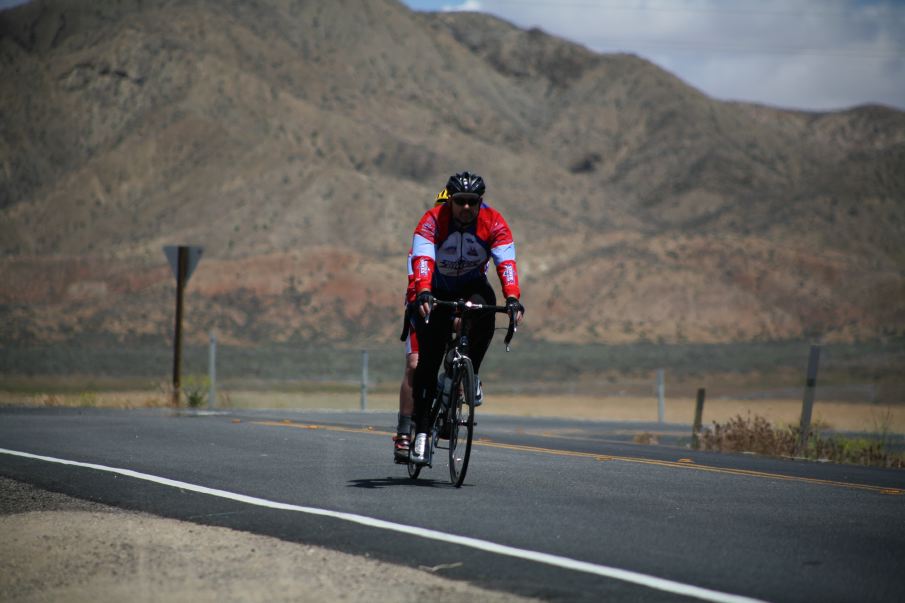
(698, 417)
(182, 263)
(364, 379)
(661, 401)
(807, 405)
(212, 368)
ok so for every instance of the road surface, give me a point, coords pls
(554, 509)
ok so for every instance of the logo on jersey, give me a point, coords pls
(460, 254)
(428, 228)
(509, 275)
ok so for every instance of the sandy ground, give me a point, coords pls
(57, 548)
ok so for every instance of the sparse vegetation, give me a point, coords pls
(88, 399)
(195, 389)
(756, 434)
(645, 438)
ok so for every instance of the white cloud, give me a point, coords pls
(468, 5)
(811, 54)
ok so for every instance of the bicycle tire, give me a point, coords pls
(413, 468)
(460, 419)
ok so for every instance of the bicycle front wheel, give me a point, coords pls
(413, 468)
(460, 419)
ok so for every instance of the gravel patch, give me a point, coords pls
(58, 548)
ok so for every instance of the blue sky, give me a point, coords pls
(803, 54)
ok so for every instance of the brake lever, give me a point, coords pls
(510, 332)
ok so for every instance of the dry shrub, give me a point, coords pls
(747, 434)
(645, 438)
(49, 400)
(756, 434)
(194, 389)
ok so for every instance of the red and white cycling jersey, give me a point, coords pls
(445, 258)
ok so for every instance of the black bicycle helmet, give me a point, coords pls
(465, 183)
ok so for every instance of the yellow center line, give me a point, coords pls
(324, 427)
(683, 463)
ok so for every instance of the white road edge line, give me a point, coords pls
(663, 584)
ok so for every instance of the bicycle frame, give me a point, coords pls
(459, 351)
(458, 373)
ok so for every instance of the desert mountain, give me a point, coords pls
(300, 141)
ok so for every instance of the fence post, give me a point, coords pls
(807, 405)
(698, 417)
(212, 371)
(661, 398)
(364, 380)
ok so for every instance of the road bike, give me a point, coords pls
(452, 410)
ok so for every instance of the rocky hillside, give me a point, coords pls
(299, 142)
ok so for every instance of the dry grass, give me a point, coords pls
(842, 416)
(87, 399)
(756, 434)
(761, 426)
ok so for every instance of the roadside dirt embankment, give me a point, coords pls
(57, 548)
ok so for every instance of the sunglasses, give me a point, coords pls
(466, 199)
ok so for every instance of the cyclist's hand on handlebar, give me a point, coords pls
(425, 303)
(516, 309)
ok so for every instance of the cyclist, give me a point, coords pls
(451, 247)
(402, 439)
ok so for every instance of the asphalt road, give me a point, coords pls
(562, 510)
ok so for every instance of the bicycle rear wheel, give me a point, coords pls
(460, 419)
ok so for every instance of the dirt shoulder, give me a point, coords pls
(58, 548)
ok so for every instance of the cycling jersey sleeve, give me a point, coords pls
(502, 249)
(424, 254)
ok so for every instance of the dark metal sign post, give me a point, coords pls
(183, 260)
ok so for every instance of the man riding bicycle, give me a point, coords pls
(450, 250)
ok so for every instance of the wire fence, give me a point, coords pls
(866, 373)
